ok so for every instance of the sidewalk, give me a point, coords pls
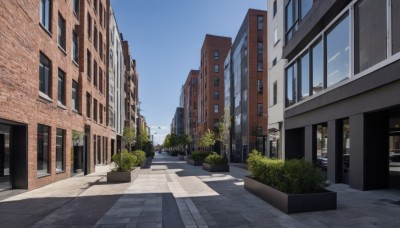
(174, 194)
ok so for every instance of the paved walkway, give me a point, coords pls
(174, 194)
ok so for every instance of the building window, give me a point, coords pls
(61, 32)
(45, 14)
(395, 26)
(292, 11)
(89, 28)
(275, 8)
(95, 42)
(216, 124)
(100, 80)
(275, 94)
(61, 87)
(321, 147)
(75, 47)
(274, 61)
(337, 52)
(305, 7)
(291, 85)
(101, 45)
(216, 95)
(60, 148)
(305, 75)
(260, 66)
(276, 35)
(95, 5)
(101, 113)
(369, 34)
(101, 13)
(260, 20)
(95, 73)
(75, 101)
(43, 150)
(259, 48)
(216, 68)
(216, 108)
(88, 105)
(76, 7)
(44, 75)
(317, 68)
(259, 86)
(95, 109)
(216, 54)
(259, 109)
(89, 65)
(216, 82)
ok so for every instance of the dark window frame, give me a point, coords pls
(43, 156)
(61, 36)
(46, 22)
(61, 88)
(60, 133)
(46, 64)
(75, 96)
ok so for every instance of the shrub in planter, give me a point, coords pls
(199, 155)
(141, 156)
(127, 162)
(216, 159)
(292, 177)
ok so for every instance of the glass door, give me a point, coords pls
(5, 174)
(345, 151)
(394, 159)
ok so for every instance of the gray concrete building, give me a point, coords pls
(342, 83)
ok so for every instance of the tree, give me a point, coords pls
(224, 129)
(185, 140)
(208, 139)
(129, 136)
(142, 138)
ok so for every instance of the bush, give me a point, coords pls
(216, 159)
(292, 177)
(141, 156)
(199, 155)
(127, 163)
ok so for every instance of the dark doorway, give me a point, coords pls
(394, 151)
(344, 155)
(77, 153)
(5, 172)
(112, 147)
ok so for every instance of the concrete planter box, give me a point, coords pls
(181, 157)
(291, 203)
(215, 168)
(118, 177)
(193, 162)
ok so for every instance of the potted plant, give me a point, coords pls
(216, 163)
(197, 158)
(141, 157)
(292, 186)
(126, 169)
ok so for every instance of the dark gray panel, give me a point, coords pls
(19, 153)
(332, 151)
(357, 151)
(309, 143)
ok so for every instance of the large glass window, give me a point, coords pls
(60, 147)
(43, 148)
(305, 75)
(76, 7)
(75, 100)
(395, 26)
(45, 14)
(260, 20)
(321, 139)
(291, 13)
(88, 105)
(61, 87)
(305, 7)
(317, 68)
(369, 34)
(75, 47)
(61, 32)
(291, 85)
(89, 24)
(337, 52)
(44, 75)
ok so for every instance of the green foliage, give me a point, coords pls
(216, 159)
(127, 162)
(140, 155)
(208, 139)
(129, 136)
(199, 155)
(292, 177)
(185, 139)
(142, 138)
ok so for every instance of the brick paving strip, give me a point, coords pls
(155, 199)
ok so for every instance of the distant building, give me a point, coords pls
(246, 70)
(177, 122)
(191, 91)
(210, 101)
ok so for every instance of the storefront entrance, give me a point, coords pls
(394, 151)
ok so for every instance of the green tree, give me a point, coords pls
(129, 136)
(224, 129)
(185, 140)
(142, 138)
(208, 139)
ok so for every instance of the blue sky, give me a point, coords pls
(165, 38)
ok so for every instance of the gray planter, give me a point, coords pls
(215, 168)
(291, 203)
(193, 162)
(118, 177)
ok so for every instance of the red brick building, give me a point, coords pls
(211, 83)
(53, 108)
(191, 91)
